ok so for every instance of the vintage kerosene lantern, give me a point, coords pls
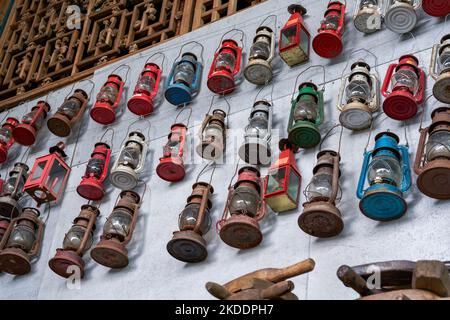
(432, 164)
(306, 116)
(12, 191)
(25, 133)
(361, 97)
(436, 8)
(91, 185)
(407, 88)
(69, 113)
(108, 99)
(256, 147)
(328, 41)
(282, 183)
(294, 40)
(6, 137)
(441, 71)
(171, 166)
(245, 207)
(48, 176)
(75, 244)
(21, 242)
(259, 68)
(401, 16)
(368, 15)
(130, 163)
(141, 103)
(194, 222)
(185, 78)
(320, 217)
(212, 135)
(118, 230)
(225, 67)
(387, 170)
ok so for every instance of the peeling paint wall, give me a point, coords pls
(153, 274)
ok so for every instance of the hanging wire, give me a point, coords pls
(209, 165)
(441, 31)
(310, 67)
(120, 67)
(112, 136)
(398, 39)
(6, 115)
(190, 42)
(141, 118)
(229, 31)
(423, 112)
(49, 205)
(275, 21)
(235, 172)
(328, 135)
(155, 54)
(75, 83)
(26, 151)
(364, 50)
(185, 107)
(271, 93)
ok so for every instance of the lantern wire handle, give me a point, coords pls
(112, 136)
(211, 164)
(412, 49)
(328, 135)
(310, 67)
(123, 66)
(49, 206)
(155, 54)
(367, 51)
(441, 31)
(73, 86)
(190, 42)
(275, 21)
(6, 115)
(405, 124)
(228, 103)
(140, 130)
(423, 112)
(26, 159)
(229, 31)
(185, 107)
(271, 93)
(235, 172)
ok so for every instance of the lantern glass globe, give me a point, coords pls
(108, 94)
(118, 224)
(74, 237)
(22, 237)
(438, 146)
(188, 218)
(406, 78)
(385, 169)
(245, 201)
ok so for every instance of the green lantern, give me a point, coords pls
(306, 116)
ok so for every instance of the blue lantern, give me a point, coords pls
(387, 170)
(184, 79)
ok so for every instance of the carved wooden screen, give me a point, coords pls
(44, 47)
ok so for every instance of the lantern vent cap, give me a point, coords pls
(136, 133)
(285, 144)
(219, 111)
(189, 56)
(263, 28)
(137, 197)
(360, 63)
(250, 168)
(20, 164)
(439, 110)
(115, 76)
(102, 144)
(445, 38)
(203, 184)
(389, 134)
(47, 107)
(297, 8)
(59, 149)
(81, 92)
(307, 85)
(11, 121)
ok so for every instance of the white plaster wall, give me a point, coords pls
(153, 274)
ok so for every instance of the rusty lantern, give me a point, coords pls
(432, 162)
(21, 242)
(401, 15)
(12, 191)
(141, 103)
(245, 206)
(76, 242)
(436, 8)
(294, 42)
(69, 113)
(259, 68)
(361, 98)
(225, 67)
(212, 135)
(6, 137)
(25, 133)
(131, 161)
(368, 15)
(108, 99)
(48, 176)
(194, 221)
(320, 217)
(91, 185)
(282, 184)
(441, 71)
(171, 166)
(407, 88)
(118, 230)
(328, 42)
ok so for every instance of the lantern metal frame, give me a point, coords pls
(111, 251)
(25, 133)
(65, 258)
(401, 104)
(441, 88)
(9, 202)
(286, 161)
(364, 15)
(9, 125)
(259, 71)
(238, 229)
(328, 42)
(320, 217)
(355, 108)
(15, 260)
(400, 16)
(188, 245)
(434, 176)
(384, 201)
(37, 187)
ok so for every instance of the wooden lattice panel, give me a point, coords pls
(41, 50)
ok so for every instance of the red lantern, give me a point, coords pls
(226, 65)
(25, 133)
(91, 185)
(171, 167)
(48, 176)
(108, 99)
(6, 137)
(141, 103)
(295, 37)
(328, 42)
(282, 184)
(407, 88)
